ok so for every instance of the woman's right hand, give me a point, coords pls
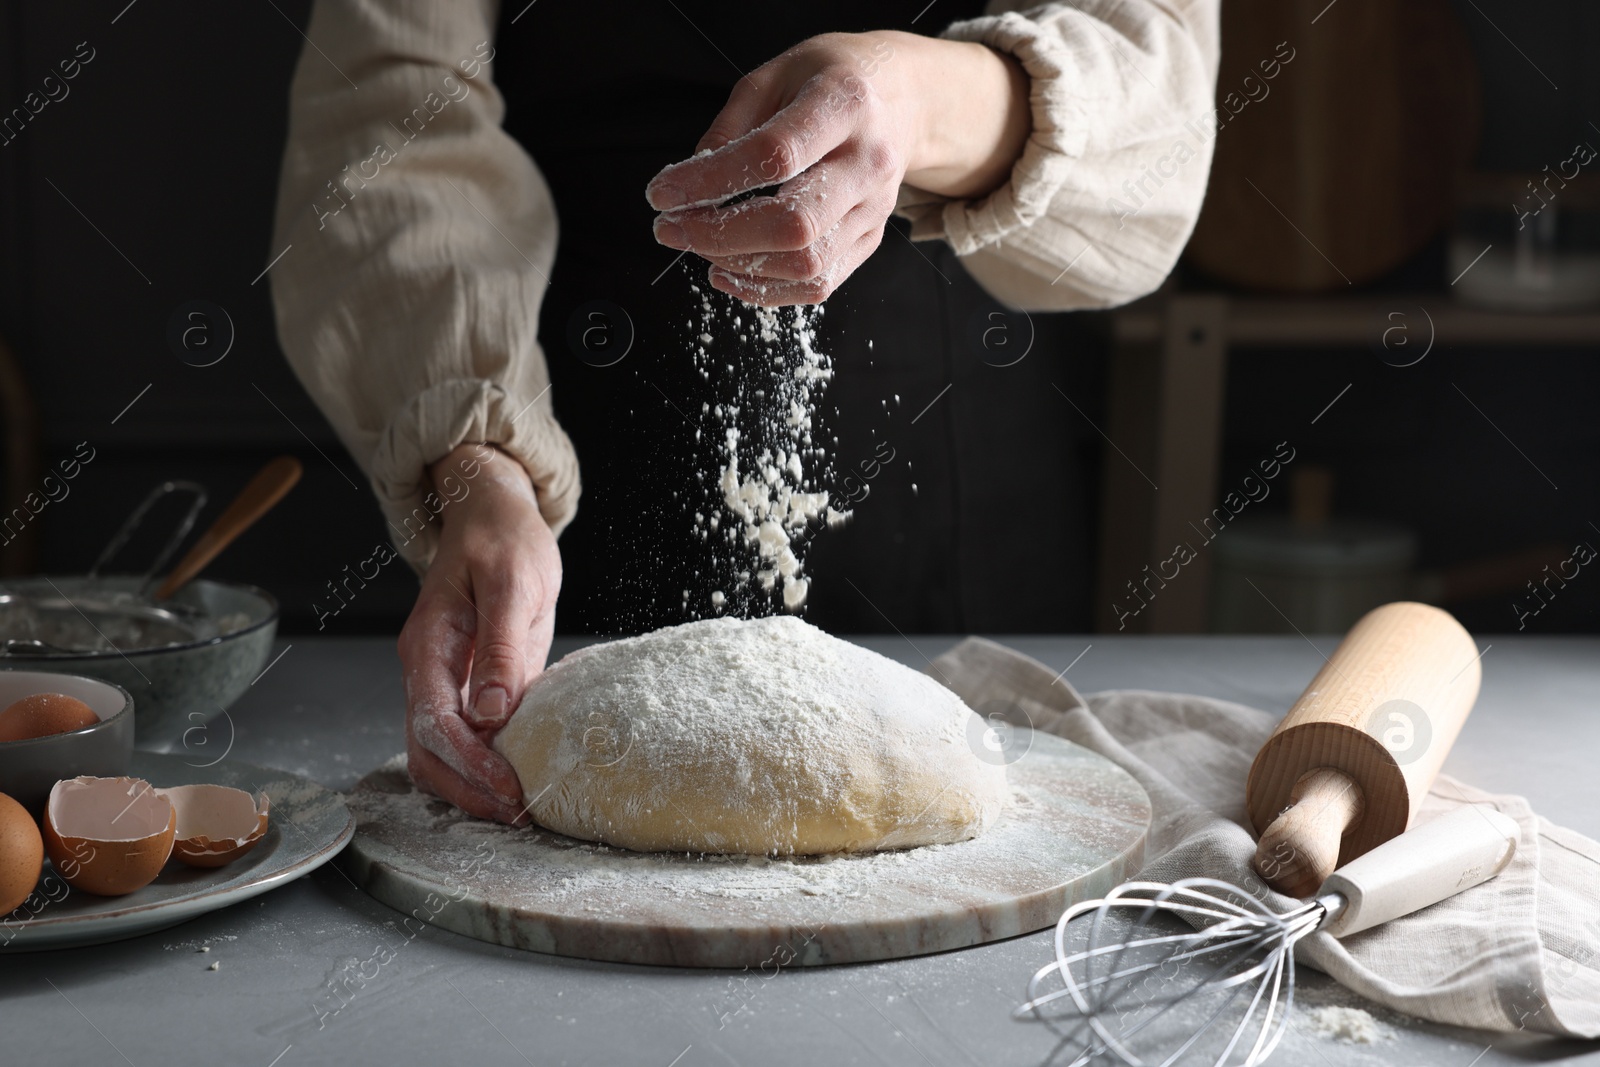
(839, 123)
(479, 633)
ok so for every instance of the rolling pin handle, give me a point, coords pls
(1300, 848)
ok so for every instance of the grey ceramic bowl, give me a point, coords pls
(28, 769)
(176, 687)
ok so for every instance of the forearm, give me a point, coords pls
(476, 465)
(1062, 231)
(972, 115)
(386, 193)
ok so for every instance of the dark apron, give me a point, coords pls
(975, 516)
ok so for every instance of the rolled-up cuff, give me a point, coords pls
(1059, 135)
(452, 413)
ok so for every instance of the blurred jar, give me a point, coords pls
(1308, 570)
(1322, 577)
(1529, 242)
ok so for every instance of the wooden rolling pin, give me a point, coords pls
(1348, 767)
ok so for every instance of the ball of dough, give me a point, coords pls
(762, 737)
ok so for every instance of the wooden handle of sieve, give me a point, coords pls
(1348, 766)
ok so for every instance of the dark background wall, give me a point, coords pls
(151, 185)
(168, 148)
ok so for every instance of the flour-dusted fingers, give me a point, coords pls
(435, 644)
(445, 755)
(462, 749)
(756, 97)
(818, 120)
(761, 224)
(816, 259)
(847, 131)
(773, 292)
(805, 209)
(432, 775)
(514, 587)
(482, 622)
(505, 605)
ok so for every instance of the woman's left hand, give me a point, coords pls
(838, 123)
(479, 633)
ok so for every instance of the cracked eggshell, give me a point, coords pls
(216, 823)
(108, 836)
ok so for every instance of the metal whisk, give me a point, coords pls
(1130, 987)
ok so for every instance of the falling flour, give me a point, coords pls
(770, 490)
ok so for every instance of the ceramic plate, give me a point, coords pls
(309, 826)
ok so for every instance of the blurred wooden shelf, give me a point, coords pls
(1306, 322)
(1165, 409)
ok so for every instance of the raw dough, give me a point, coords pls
(762, 736)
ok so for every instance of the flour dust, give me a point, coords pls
(765, 480)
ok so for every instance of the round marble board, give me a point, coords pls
(1074, 827)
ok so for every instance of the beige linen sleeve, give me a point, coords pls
(1110, 183)
(419, 239)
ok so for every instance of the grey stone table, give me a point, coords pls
(317, 972)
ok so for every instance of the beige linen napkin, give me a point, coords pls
(1521, 951)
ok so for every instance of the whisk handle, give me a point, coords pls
(1422, 866)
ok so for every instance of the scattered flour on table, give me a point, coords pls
(203, 945)
(1352, 1026)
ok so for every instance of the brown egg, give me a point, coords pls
(21, 855)
(42, 714)
(216, 824)
(108, 836)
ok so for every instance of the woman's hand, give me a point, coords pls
(479, 633)
(838, 123)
